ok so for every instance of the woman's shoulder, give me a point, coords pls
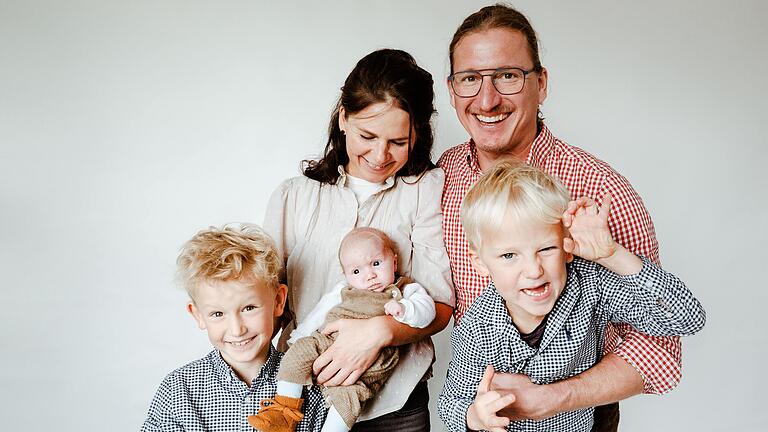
(431, 180)
(297, 185)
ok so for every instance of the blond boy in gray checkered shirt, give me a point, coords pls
(231, 276)
(545, 312)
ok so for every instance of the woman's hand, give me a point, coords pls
(356, 347)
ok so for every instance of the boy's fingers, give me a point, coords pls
(485, 382)
(502, 402)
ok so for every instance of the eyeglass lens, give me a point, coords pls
(507, 81)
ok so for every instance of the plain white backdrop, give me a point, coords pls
(125, 127)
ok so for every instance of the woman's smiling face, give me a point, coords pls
(379, 139)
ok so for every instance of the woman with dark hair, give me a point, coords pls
(375, 171)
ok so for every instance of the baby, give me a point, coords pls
(369, 262)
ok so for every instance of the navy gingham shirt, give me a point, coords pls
(653, 301)
(207, 395)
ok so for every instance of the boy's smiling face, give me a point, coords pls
(239, 317)
(526, 262)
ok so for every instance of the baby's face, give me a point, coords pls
(368, 265)
(526, 262)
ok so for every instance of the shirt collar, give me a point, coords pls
(225, 371)
(500, 316)
(542, 145)
(388, 183)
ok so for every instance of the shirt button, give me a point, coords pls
(649, 284)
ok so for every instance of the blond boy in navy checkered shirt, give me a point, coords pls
(232, 277)
(545, 312)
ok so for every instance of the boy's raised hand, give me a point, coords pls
(482, 413)
(588, 225)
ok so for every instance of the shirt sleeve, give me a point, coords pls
(464, 374)
(419, 306)
(277, 221)
(653, 301)
(657, 359)
(429, 262)
(160, 416)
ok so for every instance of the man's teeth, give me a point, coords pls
(494, 119)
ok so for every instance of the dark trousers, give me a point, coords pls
(606, 418)
(412, 417)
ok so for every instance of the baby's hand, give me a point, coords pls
(588, 225)
(394, 308)
(481, 415)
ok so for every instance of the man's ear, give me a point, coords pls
(192, 309)
(280, 296)
(542, 80)
(477, 263)
(451, 93)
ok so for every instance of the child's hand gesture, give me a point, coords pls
(482, 413)
(588, 225)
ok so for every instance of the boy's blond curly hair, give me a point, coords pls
(231, 252)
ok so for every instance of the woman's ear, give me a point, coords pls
(343, 120)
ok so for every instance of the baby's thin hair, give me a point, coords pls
(367, 233)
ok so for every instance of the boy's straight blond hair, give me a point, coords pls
(511, 187)
(240, 252)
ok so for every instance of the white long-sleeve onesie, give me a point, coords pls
(419, 309)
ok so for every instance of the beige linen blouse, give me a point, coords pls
(308, 219)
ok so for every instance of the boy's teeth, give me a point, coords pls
(538, 291)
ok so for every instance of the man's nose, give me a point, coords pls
(488, 98)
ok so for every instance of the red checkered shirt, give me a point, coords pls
(657, 359)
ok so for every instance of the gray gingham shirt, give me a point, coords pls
(207, 395)
(653, 301)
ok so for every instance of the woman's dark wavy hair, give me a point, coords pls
(386, 75)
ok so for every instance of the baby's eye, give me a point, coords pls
(508, 255)
(216, 314)
(355, 271)
(376, 263)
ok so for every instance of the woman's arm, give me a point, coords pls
(358, 343)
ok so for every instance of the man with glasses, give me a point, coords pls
(496, 85)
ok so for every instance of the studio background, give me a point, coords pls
(126, 127)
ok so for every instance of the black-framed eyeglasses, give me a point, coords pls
(507, 81)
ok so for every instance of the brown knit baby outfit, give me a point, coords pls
(296, 366)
